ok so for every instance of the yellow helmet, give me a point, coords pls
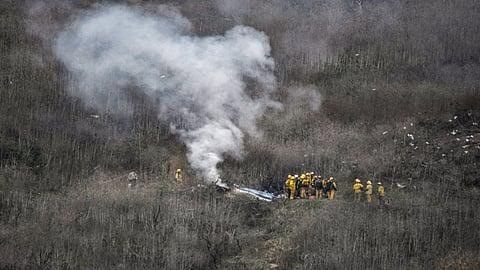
(369, 182)
(307, 173)
(179, 170)
(379, 183)
(289, 176)
(358, 180)
(302, 176)
(331, 178)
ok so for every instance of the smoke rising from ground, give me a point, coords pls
(199, 82)
(306, 97)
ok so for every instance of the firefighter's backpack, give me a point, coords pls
(329, 186)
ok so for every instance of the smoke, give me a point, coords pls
(198, 83)
(306, 97)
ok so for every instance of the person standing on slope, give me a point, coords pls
(318, 185)
(357, 190)
(381, 193)
(331, 188)
(132, 179)
(369, 191)
(178, 175)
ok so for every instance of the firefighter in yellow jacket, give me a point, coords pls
(303, 186)
(293, 187)
(357, 190)
(381, 193)
(318, 185)
(178, 175)
(369, 191)
(324, 189)
(331, 188)
(287, 185)
(311, 180)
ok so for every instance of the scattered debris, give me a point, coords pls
(222, 185)
(400, 185)
(261, 195)
(385, 132)
(94, 116)
(257, 194)
(273, 266)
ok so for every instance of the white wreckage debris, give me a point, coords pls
(220, 184)
(400, 185)
(236, 189)
(261, 195)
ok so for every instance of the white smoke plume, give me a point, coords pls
(200, 82)
(306, 96)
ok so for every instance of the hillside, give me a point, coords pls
(248, 92)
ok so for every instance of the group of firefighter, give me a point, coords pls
(359, 189)
(308, 185)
